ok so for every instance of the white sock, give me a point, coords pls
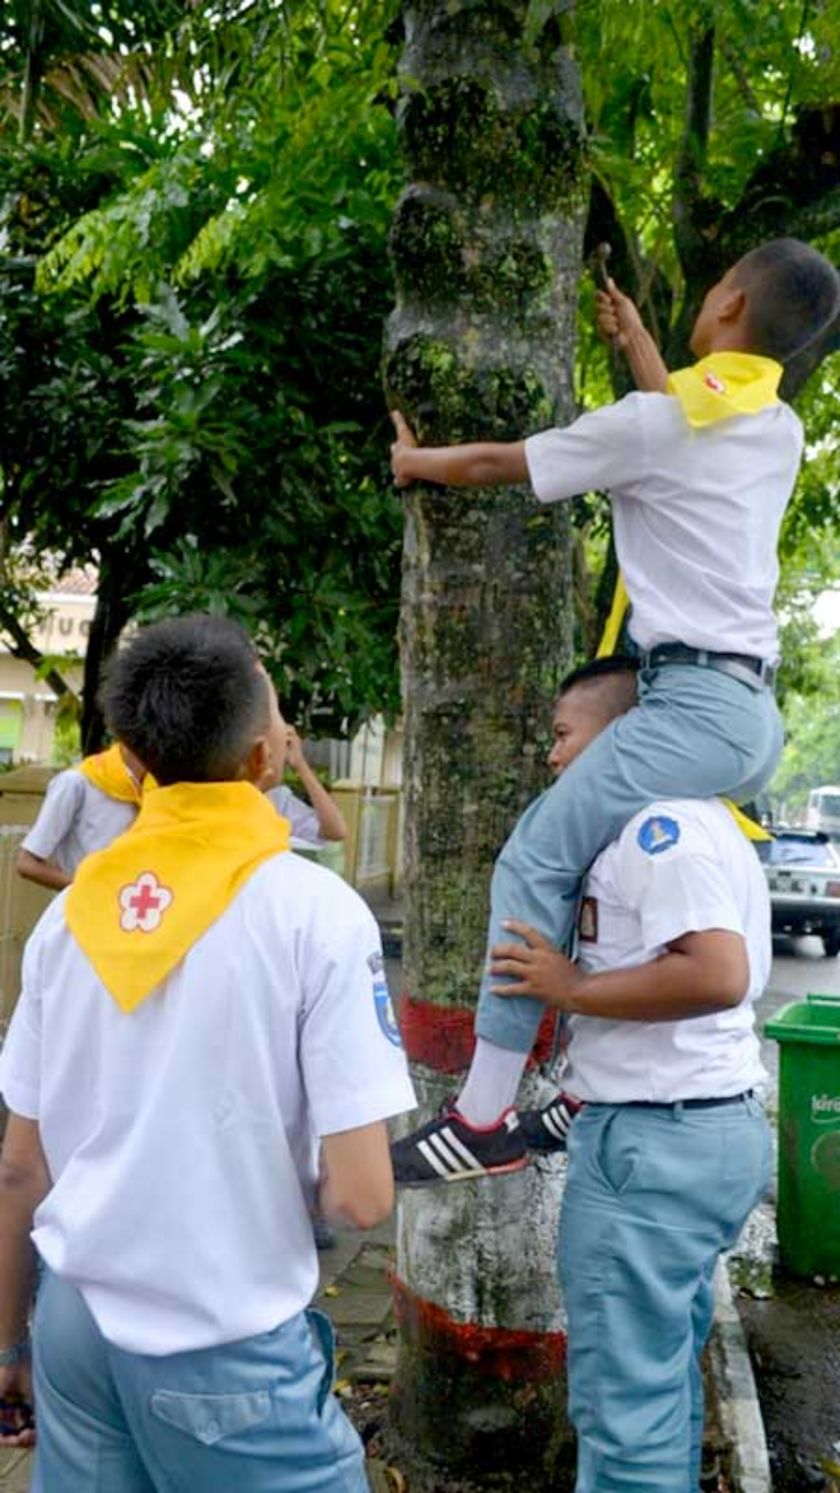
(491, 1083)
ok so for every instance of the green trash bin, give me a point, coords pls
(808, 1033)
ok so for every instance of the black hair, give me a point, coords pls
(793, 293)
(187, 697)
(600, 668)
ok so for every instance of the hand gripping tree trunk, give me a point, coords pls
(486, 249)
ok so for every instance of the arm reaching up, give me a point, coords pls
(482, 464)
(618, 322)
(330, 818)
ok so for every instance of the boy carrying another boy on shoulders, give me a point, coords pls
(701, 465)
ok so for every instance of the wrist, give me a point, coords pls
(636, 339)
(574, 1003)
(15, 1354)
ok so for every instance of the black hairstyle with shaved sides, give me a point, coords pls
(187, 696)
(610, 681)
(793, 294)
(600, 668)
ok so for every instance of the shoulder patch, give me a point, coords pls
(657, 834)
(385, 1014)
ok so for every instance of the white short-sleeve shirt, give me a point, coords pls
(182, 1138)
(76, 818)
(696, 513)
(303, 819)
(680, 866)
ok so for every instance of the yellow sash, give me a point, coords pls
(613, 624)
(108, 771)
(725, 384)
(747, 826)
(137, 907)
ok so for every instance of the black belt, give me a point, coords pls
(688, 1103)
(756, 672)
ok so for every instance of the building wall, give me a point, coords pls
(27, 704)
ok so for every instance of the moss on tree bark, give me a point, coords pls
(486, 245)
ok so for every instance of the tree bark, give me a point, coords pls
(111, 614)
(486, 246)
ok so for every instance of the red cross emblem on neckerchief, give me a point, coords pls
(714, 383)
(143, 904)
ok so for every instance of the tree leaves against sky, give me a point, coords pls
(208, 220)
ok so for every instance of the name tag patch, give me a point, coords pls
(588, 920)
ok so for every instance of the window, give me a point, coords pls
(796, 850)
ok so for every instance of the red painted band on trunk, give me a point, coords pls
(514, 1356)
(442, 1037)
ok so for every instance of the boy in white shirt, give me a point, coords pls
(700, 467)
(199, 1010)
(671, 1150)
(85, 808)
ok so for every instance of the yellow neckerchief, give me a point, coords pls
(749, 827)
(725, 384)
(615, 621)
(137, 907)
(109, 772)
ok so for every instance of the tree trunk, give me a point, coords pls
(486, 246)
(117, 581)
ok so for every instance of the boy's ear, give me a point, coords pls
(258, 767)
(732, 306)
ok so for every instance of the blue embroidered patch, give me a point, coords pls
(385, 1014)
(657, 834)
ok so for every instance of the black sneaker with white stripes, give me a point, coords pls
(545, 1130)
(449, 1149)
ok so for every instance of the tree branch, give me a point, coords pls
(815, 218)
(23, 647)
(636, 275)
(742, 82)
(793, 190)
(690, 208)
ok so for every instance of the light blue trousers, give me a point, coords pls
(653, 1195)
(695, 733)
(255, 1416)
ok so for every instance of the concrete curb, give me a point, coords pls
(738, 1406)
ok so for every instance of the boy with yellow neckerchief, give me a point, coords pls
(85, 808)
(700, 466)
(199, 1010)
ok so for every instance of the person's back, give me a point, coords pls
(201, 1013)
(180, 1138)
(696, 513)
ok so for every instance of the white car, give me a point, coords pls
(802, 867)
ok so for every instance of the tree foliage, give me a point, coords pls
(211, 284)
(812, 718)
(714, 127)
(195, 205)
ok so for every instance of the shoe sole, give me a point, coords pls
(486, 1171)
